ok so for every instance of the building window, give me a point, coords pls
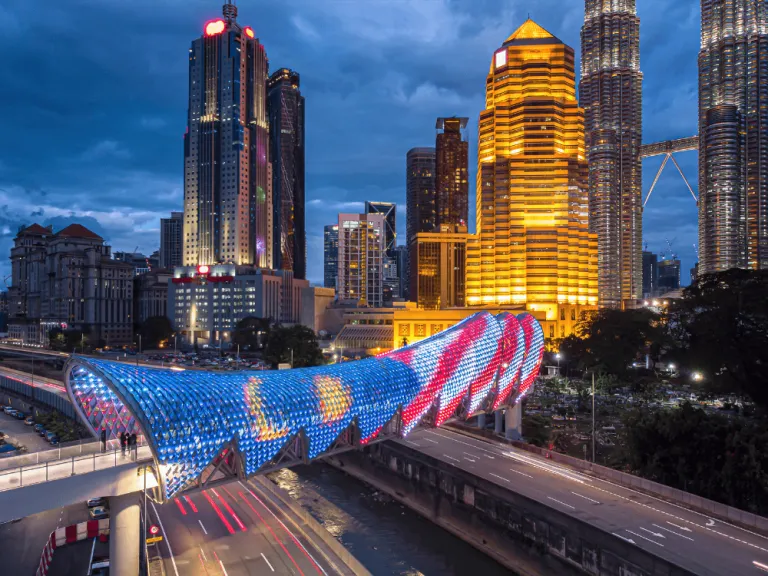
(404, 330)
(573, 314)
(551, 330)
(562, 313)
(435, 328)
(421, 330)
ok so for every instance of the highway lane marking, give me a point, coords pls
(470, 460)
(165, 538)
(644, 538)
(711, 522)
(657, 534)
(673, 532)
(430, 440)
(203, 527)
(521, 473)
(220, 563)
(203, 553)
(563, 503)
(585, 497)
(267, 561)
(624, 538)
(679, 527)
(412, 443)
(760, 566)
(499, 477)
(451, 458)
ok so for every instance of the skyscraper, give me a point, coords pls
(650, 274)
(451, 170)
(439, 278)
(733, 135)
(330, 255)
(611, 94)
(389, 211)
(669, 275)
(421, 213)
(227, 185)
(286, 150)
(361, 259)
(171, 240)
(534, 245)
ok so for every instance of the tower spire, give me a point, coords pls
(230, 11)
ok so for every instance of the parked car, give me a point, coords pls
(29, 421)
(98, 512)
(19, 415)
(94, 502)
(7, 409)
(39, 428)
(54, 441)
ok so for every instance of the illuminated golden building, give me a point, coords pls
(533, 243)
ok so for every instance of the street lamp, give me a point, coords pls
(139, 351)
(558, 356)
(697, 377)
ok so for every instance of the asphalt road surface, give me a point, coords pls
(691, 540)
(23, 541)
(234, 530)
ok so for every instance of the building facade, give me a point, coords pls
(733, 135)
(451, 173)
(227, 169)
(533, 246)
(205, 303)
(361, 259)
(150, 294)
(286, 146)
(330, 255)
(171, 240)
(421, 211)
(389, 211)
(669, 276)
(70, 281)
(650, 274)
(440, 268)
(611, 94)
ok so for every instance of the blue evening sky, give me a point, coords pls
(94, 98)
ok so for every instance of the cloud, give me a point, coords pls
(105, 149)
(152, 122)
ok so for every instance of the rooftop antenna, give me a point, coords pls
(230, 11)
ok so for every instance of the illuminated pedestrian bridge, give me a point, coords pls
(203, 427)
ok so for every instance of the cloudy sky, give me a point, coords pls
(94, 98)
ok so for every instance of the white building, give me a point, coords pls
(361, 259)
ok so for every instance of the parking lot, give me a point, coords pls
(20, 433)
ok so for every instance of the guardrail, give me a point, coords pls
(63, 451)
(704, 505)
(66, 467)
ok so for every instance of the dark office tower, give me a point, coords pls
(286, 150)
(421, 215)
(330, 255)
(451, 170)
(171, 244)
(733, 135)
(650, 274)
(227, 182)
(389, 211)
(610, 92)
(669, 276)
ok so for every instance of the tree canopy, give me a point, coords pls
(154, 330)
(251, 333)
(299, 339)
(67, 340)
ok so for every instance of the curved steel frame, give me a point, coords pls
(202, 426)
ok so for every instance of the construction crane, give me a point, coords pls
(671, 252)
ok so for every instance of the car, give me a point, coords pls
(54, 441)
(94, 502)
(19, 415)
(98, 512)
(39, 428)
(29, 421)
(8, 409)
(42, 431)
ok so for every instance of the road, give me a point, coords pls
(234, 530)
(691, 540)
(27, 537)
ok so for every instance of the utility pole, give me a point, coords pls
(593, 417)
(291, 357)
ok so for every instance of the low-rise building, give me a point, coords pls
(150, 292)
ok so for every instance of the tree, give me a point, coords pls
(536, 429)
(720, 328)
(68, 340)
(299, 340)
(251, 333)
(154, 330)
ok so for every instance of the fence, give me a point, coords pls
(66, 467)
(23, 386)
(674, 495)
(68, 535)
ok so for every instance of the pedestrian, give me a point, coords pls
(103, 439)
(132, 444)
(123, 441)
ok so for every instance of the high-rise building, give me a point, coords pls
(286, 150)
(534, 245)
(389, 211)
(421, 210)
(440, 261)
(650, 274)
(227, 182)
(401, 258)
(361, 259)
(669, 276)
(451, 172)
(733, 135)
(330, 255)
(611, 93)
(171, 243)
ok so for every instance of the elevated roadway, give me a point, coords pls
(691, 540)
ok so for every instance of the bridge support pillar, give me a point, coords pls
(124, 535)
(514, 422)
(481, 421)
(498, 423)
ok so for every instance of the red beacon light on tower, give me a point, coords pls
(249, 32)
(215, 27)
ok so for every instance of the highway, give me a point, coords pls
(691, 540)
(234, 530)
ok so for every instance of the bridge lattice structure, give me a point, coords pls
(667, 149)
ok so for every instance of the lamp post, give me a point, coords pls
(175, 338)
(139, 351)
(558, 356)
(593, 417)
